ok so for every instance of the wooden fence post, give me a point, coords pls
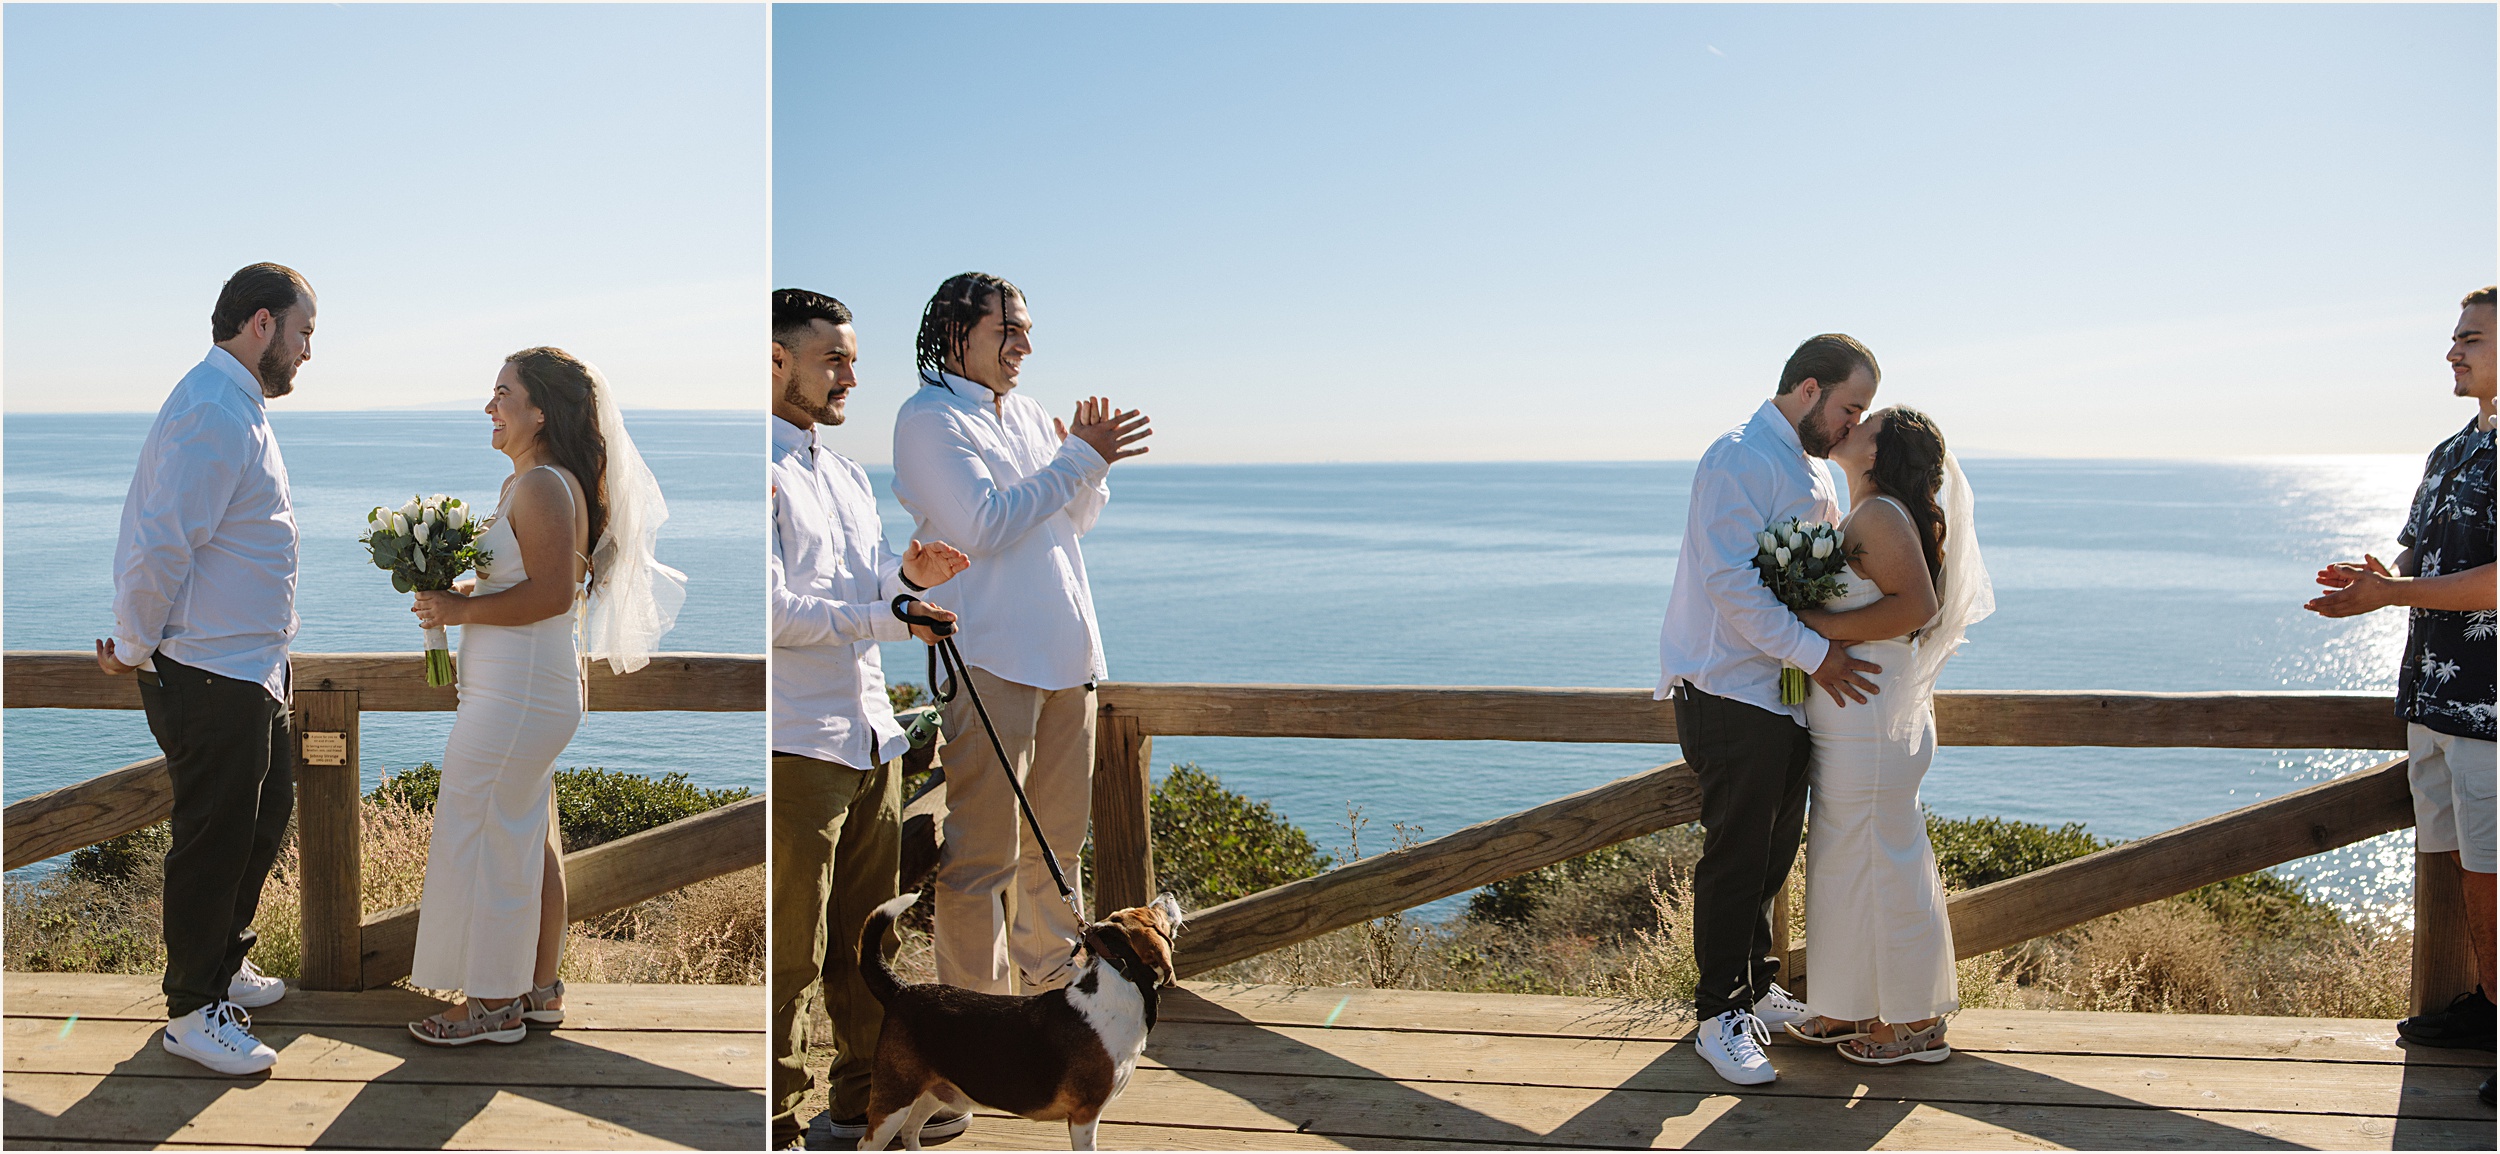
(1124, 868)
(2443, 954)
(329, 838)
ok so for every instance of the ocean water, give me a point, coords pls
(2109, 575)
(2170, 575)
(66, 476)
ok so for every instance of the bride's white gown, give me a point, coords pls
(1878, 942)
(520, 701)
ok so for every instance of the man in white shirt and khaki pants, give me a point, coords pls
(203, 609)
(984, 467)
(836, 784)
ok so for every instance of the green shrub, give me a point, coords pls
(1974, 851)
(121, 860)
(592, 805)
(1213, 845)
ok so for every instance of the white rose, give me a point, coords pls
(1795, 539)
(420, 529)
(1780, 555)
(457, 517)
(409, 510)
(1822, 548)
(1766, 540)
(373, 520)
(399, 524)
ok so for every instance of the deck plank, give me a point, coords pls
(377, 1115)
(2006, 1031)
(589, 1006)
(1761, 1125)
(1578, 1116)
(682, 1059)
(1814, 1071)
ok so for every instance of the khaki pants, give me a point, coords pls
(836, 834)
(993, 891)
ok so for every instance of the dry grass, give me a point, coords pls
(709, 932)
(1625, 932)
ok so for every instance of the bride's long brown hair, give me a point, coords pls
(560, 386)
(1909, 468)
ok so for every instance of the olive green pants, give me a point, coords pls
(836, 834)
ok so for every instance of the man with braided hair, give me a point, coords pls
(983, 466)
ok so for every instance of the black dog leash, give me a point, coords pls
(943, 650)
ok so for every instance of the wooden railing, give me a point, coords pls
(344, 948)
(2313, 820)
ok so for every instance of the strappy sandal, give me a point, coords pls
(501, 1024)
(534, 1007)
(1845, 1032)
(1916, 1046)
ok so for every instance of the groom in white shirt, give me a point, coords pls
(981, 465)
(1720, 654)
(203, 608)
(836, 783)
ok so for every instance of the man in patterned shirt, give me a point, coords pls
(2445, 689)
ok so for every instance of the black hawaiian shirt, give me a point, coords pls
(2446, 682)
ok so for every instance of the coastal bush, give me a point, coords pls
(1212, 845)
(102, 910)
(592, 805)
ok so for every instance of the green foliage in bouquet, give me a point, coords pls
(425, 544)
(1802, 562)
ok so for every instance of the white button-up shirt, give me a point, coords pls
(833, 583)
(206, 566)
(998, 484)
(1725, 633)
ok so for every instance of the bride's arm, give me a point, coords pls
(541, 514)
(1893, 560)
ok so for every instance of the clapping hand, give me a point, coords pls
(2354, 589)
(1112, 433)
(931, 563)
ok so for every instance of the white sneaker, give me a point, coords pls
(1779, 1008)
(219, 1036)
(1733, 1042)
(252, 989)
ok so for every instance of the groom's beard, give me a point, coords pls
(1812, 435)
(277, 372)
(822, 414)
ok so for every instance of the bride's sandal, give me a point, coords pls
(501, 1024)
(1813, 1030)
(1907, 1046)
(535, 1008)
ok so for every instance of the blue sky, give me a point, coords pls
(1497, 232)
(458, 181)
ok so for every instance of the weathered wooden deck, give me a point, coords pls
(1271, 1068)
(633, 1067)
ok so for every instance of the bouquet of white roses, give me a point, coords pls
(426, 544)
(1802, 562)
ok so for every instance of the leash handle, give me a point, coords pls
(902, 602)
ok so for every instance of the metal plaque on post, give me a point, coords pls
(325, 748)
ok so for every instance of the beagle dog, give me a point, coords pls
(1061, 1055)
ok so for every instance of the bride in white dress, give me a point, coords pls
(493, 917)
(1881, 945)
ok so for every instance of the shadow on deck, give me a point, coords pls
(633, 1067)
(1271, 1067)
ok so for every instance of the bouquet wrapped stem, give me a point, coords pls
(425, 545)
(1802, 562)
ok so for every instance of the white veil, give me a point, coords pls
(1965, 596)
(633, 598)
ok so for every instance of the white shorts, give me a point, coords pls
(2452, 795)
